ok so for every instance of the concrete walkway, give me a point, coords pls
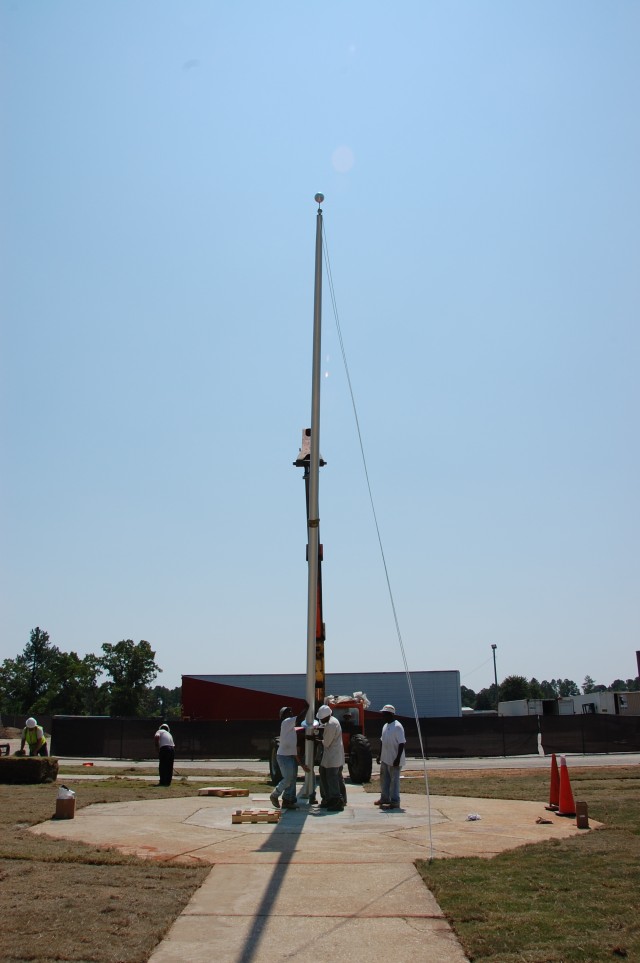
(343, 884)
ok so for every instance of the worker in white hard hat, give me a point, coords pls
(332, 787)
(391, 759)
(34, 738)
(166, 752)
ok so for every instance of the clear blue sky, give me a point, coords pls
(480, 164)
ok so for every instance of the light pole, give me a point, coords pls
(495, 671)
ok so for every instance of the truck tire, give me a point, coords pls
(360, 759)
(274, 769)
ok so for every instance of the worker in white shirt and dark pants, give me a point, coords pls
(391, 759)
(166, 753)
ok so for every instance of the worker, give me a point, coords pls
(347, 722)
(332, 787)
(33, 736)
(288, 758)
(166, 753)
(391, 759)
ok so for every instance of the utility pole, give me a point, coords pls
(495, 671)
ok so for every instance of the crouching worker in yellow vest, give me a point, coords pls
(33, 737)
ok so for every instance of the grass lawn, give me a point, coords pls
(556, 902)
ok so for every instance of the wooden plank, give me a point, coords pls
(222, 791)
(255, 816)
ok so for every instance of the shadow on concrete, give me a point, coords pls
(283, 840)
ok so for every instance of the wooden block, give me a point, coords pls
(222, 791)
(255, 816)
(582, 815)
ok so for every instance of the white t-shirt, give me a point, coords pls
(392, 737)
(165, 739)
(288, 745)
(333, 750)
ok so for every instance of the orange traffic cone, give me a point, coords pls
(554, 787)
(566, 805)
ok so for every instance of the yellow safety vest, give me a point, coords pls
(33, 736)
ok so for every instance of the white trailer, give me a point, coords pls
(521, 707)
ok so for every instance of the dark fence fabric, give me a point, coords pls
(480, 736)
(133, 738)
(591, 733)
(518, 735)
(99, 737)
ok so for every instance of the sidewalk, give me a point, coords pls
(334, 884)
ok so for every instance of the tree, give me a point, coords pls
(467, 697)
(514, 687)
(45, 680)
(27, 678)
(76, 690)
(588, 686)
(567, 688)
(163, 702)
(14, 684)
(39, 656)
(131, 668)
(487, 698)
(535, 689)
(618, 685)
(549, 689)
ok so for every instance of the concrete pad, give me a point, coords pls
(344, 883)
(178, 828)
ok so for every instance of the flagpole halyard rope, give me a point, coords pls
(378, 533)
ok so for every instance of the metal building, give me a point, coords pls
(437, 694)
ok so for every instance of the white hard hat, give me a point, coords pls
(31, 723)
(323, 712)
(165, 726)
(389, 708)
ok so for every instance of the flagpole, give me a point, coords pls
(313, 519)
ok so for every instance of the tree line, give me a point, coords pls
(519, 687)
(45, 680)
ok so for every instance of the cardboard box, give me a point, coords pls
(65, 808)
